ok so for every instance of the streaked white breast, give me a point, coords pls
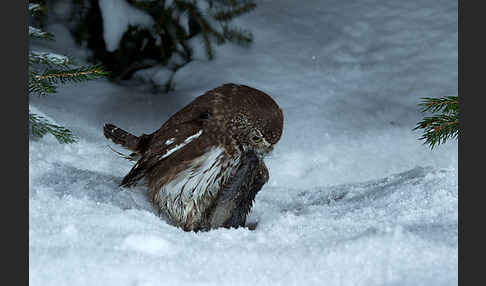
(187, 196)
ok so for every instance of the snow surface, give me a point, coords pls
(353, 198)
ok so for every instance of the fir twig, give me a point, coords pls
(237, 35)
(72, 75)
(41, 126)
(39, 34)
(40, 87)
(439, 128)
(206, 29)
(35, 9)
(229, 14)
(444, 104)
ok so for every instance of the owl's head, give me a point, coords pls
(237, 117)
(255, 134)
(254, 118)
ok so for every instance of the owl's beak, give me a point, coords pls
(264, 151)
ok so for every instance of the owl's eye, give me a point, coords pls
(257, 139)
(205, 115)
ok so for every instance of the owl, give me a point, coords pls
(204, 165)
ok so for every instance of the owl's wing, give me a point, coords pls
(165, 144)
(136, 173)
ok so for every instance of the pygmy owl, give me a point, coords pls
(204, 166)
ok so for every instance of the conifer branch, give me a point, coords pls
(439, 128)
(39, 34)
(444, 104)
(237, 35)
(225, 15)
(48, 59)
(168, 40)
(35, 9)
(41, 126)
(40, 87)
(59, 70)
(206, 29)
(72, 75)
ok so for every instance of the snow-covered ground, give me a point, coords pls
(353, 198)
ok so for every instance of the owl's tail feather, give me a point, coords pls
(121, 137)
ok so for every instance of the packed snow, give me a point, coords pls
(354, 198)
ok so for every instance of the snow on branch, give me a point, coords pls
(34, 7)
(48, 59)
(39, 126)
(38, 33)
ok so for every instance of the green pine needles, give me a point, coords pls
(443, 125)
(46, 71)
(40, 126)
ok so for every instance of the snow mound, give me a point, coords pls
(399, 229)
(150, 244)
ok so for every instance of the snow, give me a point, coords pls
(34, 7)
(117, 16)
(34, 32)
(50, 58)
(354, 198)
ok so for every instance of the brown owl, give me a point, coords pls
(204, 166)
